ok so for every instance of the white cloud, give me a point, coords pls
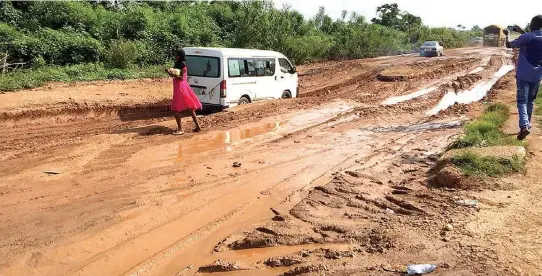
(433, 12)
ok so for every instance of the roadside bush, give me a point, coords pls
(308, 48)
(9, 14)
(122, 54)
(18, 45)
(66, 47)
(59, 14)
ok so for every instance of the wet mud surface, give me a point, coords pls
(337, 181)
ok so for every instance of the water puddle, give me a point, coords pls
(418, 127)
(224, 140)
(469, 96)
(434, 86)
(477, 70)
(404, 98)
(234, 139)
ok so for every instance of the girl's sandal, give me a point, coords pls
(178, 132)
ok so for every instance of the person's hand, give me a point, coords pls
(518, 29)
(505, 31)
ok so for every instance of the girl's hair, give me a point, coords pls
(180, 53)
(536, 23)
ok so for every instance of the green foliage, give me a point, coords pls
(129, 34)
(390, 15)
(58, 14)
(122, 54)
(8, 14)
(65, 46)
(485, 131)
(472, 164)
(448, 37)
(310, 47)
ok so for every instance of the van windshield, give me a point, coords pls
(201, 66)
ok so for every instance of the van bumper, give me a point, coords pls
(214, 107)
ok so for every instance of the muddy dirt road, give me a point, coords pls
(91, 182)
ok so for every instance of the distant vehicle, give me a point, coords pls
(513, 33)
(494, 36)
(225, 77)
(476, 41)
(431, 49)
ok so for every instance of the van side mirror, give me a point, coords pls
(293, 71)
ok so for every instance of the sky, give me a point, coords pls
(447, 13)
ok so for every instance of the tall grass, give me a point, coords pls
(31, 78)
(486, 130)
(472, 164)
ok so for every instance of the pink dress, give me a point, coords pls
(183, 96)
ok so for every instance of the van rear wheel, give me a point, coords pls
(286, 94)
(243, 100)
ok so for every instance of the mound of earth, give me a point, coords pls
(449, 176)
(222, 266)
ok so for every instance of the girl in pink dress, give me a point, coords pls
(184, 102)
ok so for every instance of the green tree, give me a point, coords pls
(8, 14)
(390, 15)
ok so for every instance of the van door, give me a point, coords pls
(286, 78)
(204, 77)
(239, 82)
(263, 77)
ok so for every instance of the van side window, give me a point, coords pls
(259, 67)
(270, 67)
(237, 68)
(251, 69)
(254, 67)
(285, 64)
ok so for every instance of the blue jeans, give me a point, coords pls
(526, 95)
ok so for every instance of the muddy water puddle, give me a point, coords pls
(224, 140)
(237, 139)
(227, 140)
(475, 94)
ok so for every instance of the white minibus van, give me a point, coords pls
(223, 77)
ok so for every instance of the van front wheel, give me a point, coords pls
(243, 100)
(286, 94)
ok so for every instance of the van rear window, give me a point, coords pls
(202, 66)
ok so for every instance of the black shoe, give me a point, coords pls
(523, 133)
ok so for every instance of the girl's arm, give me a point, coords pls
(180, 77)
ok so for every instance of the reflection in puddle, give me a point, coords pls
(404, 98)
(222, 140)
